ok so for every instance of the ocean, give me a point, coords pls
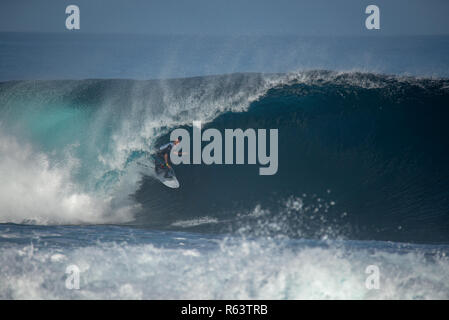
(358, 208)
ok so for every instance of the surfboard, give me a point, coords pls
(170, 180)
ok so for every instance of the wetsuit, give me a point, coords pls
(166, 149)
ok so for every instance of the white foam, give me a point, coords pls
(35, 191)
(194, 222)
(235, 269)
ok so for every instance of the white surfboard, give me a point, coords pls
(171, 181)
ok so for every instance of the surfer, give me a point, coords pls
(163, 157)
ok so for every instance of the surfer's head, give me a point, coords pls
(178, 140)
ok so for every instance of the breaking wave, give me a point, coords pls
(361, 155)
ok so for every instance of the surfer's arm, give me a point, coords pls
(180, 153)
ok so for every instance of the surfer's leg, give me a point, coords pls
(158, 164)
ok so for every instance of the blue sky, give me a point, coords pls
(228, 17)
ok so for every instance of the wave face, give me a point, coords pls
(361, 156)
